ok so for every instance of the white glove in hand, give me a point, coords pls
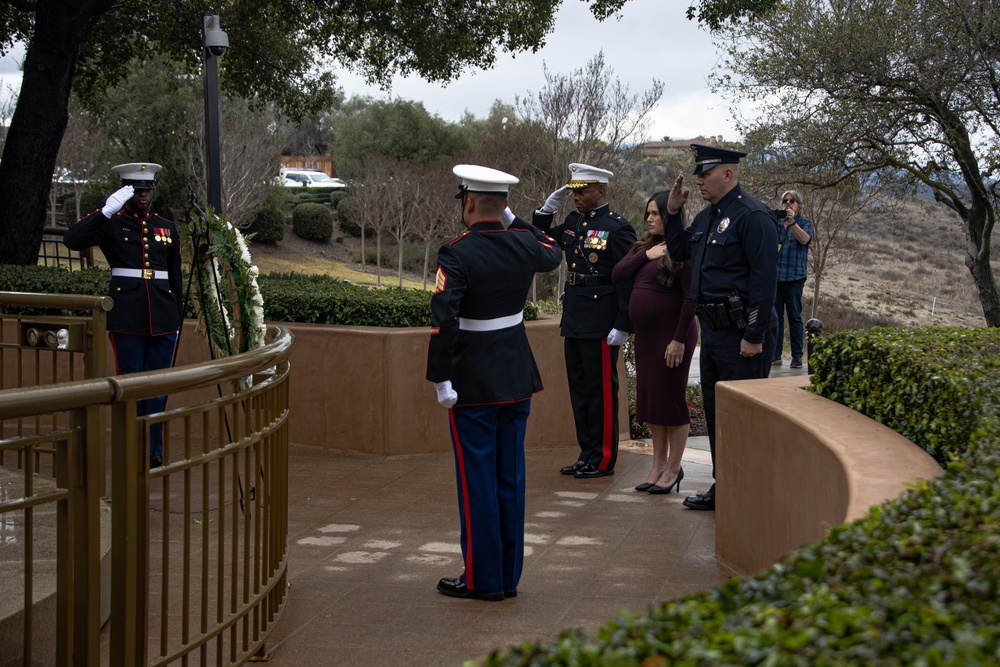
(446, 395)
(117, 200)
(506, 217)
(556, 200)
(617, 337)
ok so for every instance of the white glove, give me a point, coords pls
(617, 337)
(117, 200)
(556, 200)
(507, 217)
(446, 395)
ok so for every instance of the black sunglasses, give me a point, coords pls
(788, 201)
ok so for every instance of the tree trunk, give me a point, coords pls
(38, 124)
(978, 228)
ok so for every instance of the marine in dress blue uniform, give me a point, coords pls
(483, 370)
(733, 248)
(143, 250)
(595, 318)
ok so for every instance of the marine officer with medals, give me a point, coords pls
(595, 318)
(143, 250)
(483, 371)
(733, 248)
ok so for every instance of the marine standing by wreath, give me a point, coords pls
(143, 250)
(595, 318)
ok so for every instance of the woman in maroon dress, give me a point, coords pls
(665, 337)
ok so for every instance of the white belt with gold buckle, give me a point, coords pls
(145, 274)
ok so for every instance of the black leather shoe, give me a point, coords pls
(644, 486)
(796, 363)
(569, 470)
(155, 462)
(702, 501)
(589, 471)
(455, 587)
(510, 593)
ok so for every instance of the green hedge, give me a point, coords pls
(915, 582)
(287, 297)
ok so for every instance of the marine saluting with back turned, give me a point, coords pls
(483, 371)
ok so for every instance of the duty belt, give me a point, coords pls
(145, 274)
(587, 280)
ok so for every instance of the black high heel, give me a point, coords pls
(667, 489)
(643, 487)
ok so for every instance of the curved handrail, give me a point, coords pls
(71, 301)
(31, 401)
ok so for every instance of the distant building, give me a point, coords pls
(321, 161)
(654, 149)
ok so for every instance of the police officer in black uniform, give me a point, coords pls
(595, 318)
(482, 368)
(733, 248)
(144, 252)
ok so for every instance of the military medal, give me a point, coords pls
(158, 238)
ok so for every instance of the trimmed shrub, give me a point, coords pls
(288, 297)
(267, 226)
(349, 219)
(312, 222)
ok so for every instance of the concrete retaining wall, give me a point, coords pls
(791, 463)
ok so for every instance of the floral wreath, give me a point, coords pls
(225, 297)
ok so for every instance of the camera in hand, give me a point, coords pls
(780, 214)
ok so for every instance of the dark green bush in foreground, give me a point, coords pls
(916, 582)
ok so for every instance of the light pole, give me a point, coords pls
(216, 41)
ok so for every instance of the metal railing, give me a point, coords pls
(52, 252)
(198, 547)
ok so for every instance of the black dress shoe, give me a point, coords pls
(702, 501)
(589, 471)
(644, 486)
(455, 587)
(155, 462)
(656, 488)
(510, 593)
(569, 470)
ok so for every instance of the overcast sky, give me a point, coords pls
(653, 39)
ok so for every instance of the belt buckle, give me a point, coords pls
(147, 274)
(571, 279)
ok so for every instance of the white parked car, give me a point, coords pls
(310, 178)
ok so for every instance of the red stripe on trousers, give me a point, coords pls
(464, 484)
(606, 404)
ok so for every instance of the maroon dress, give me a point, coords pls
(660, 314)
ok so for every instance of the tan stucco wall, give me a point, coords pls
(790, 463)
(363, 389)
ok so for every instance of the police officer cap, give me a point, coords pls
(137, 174)
(707, 157)
(582, 175)
(482, 179)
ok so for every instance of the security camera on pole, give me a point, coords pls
(216, 41)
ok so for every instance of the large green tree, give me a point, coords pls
(278, 52)
(894, 86)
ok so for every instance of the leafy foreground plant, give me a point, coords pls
(913, 583)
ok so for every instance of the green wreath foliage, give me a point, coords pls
(225, 296)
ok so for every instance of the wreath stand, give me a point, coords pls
(196, 224)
